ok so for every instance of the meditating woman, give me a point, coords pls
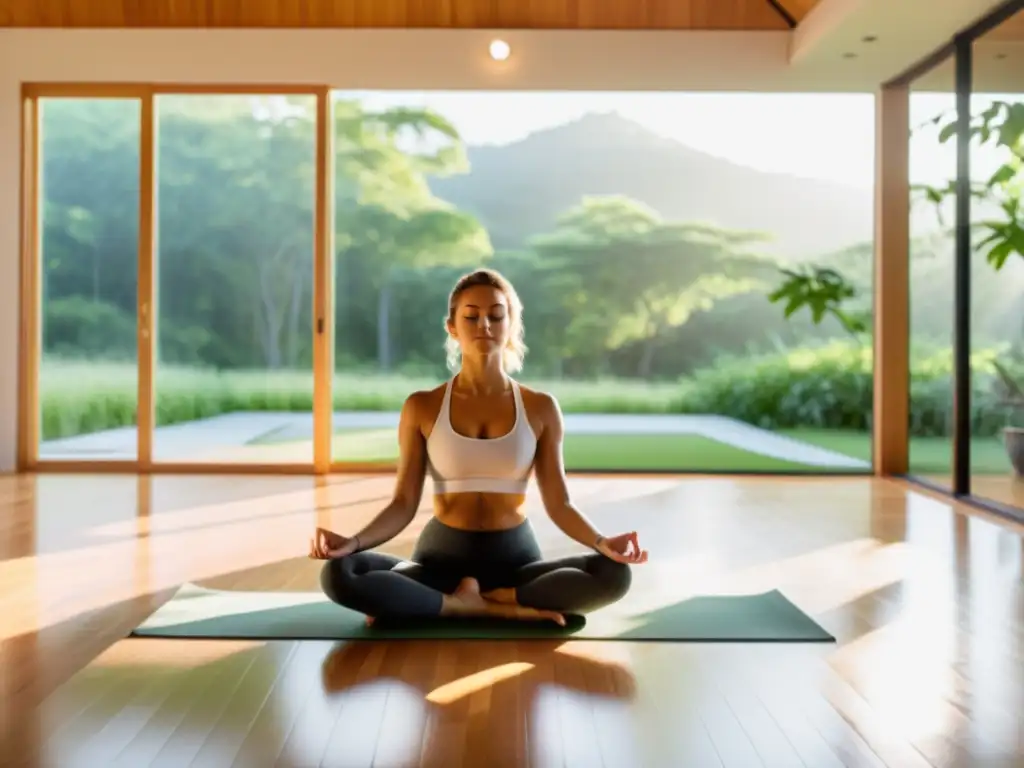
(479, 435)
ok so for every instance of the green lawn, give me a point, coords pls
(693, 453)
(700, 454)
(601, 452)
(928, 455)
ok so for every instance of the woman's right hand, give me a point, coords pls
(327, 545)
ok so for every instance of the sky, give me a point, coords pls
(822, 136)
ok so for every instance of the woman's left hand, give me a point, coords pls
(624, 548)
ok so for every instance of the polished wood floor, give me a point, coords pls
(1007, 489)
(925, 599)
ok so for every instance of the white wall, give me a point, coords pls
(399, 59)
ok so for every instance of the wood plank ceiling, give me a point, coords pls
(464, 14)
(794, 11)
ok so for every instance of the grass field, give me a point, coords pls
(928, 455)
(693, 453)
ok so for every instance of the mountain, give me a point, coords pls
(519, 189)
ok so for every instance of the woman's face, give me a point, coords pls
(481, 321)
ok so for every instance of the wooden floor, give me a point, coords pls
(925, 599)
(1007, 489)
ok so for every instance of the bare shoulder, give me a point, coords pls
(542, 407)
(536, 399)
(422, 406)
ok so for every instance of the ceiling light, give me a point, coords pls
(500, 50)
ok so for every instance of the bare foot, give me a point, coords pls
(466, 600)
(504, 595)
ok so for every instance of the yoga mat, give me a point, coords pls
(197, 612)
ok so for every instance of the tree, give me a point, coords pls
(244, 168)
(236, 195)
(627, 277)
(386, 213)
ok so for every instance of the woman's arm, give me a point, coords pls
(412, 468)
(549, 469)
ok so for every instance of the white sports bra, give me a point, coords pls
(460, 464)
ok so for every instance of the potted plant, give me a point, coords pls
(1011, 396)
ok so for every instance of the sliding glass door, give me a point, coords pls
(170, 293)
(932, 254)
(233, 294)
(996, 333)
(85, 208)
(967, 267)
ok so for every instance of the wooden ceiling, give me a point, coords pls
(1010, 31)
(423, 14)
(795, 10)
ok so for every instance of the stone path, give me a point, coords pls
(184, 442)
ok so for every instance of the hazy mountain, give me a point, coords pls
(518, 190)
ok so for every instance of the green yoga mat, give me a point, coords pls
(196, 612)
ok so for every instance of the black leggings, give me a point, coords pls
(384, 586)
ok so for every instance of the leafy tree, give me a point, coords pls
(612, 289)
(256, 200)
(386, 213)
(236, 200)
(628, 277)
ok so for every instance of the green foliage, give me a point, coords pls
(77, 325)
(829, 387)
(832, 387)
(1000, 124)
(823, 291)
(627, 277)
(80, 397)
(826, 291)
(612, 289)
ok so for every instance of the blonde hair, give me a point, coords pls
(515, 351)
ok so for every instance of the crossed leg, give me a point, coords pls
(574, 585)
(384, 586)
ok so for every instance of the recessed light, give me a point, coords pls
(849, 55)
(500, 50)
(1000, 56)
(869, 38)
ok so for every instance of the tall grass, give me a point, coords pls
(830, 387)
(80, 397)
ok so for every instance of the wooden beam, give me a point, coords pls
(796, 9)
(29, 332)
(892, 281)
(457, 14)
(147, 258)
(323, 287)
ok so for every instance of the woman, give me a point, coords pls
(479, 435)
